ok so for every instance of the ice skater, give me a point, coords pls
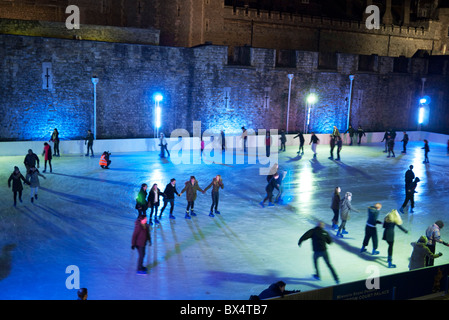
(433, 234)
(47, 157)
(339, 147)
(89, 140)
(244, 138)
(163, 144)
(392, 219)
(104, 160)
(335, 206)
(404, 142)
(420, 253)
(216, 184)
(140, 237)
(190, 188)
(351, 132)
(320, 238)
(314, 142)
(33, 178)
(283, 139)
(55, 139)
(332, 147)
(385, 138)
(345, 210)
(272, 184)
(410, 195)
(360, 133)
(267, 143)
(169, 192)
(426, 151)
(141, 200)
(154, 202)
(223, 141)
(16, 178)
(409, 176)
(301, 142)
(390, 147)
(31, 160)
(370, 228)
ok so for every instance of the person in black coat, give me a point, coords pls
(141, 200)
(426, 151)
(385, 138)
(410, 195)
(17, 187)
(272, 184)
(404, 142)
(370, 228)
(55, 139)
(335, 206)
(360, 133)
(140, 237)
(390, 147)
(301, 142)
(170, 191)
(153, 202)
(351, 132)
(283, 139)
(409, 176)
(392, 220)
(31, 160)
(89, 140)
(320, 239)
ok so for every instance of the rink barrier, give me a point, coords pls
(19, 148)
(425, 283)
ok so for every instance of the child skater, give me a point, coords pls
(33, 178)
(335, 206)
(190, 188)
(153, 202)
(17, 187)
(391, 220)
(216, 184)
(345, 209)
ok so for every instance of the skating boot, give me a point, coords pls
(261, 203)
(187, 216)
(271, 204)
(344, 232)
(390, 264)
(192, 213)
(375, 252)
(339, 234)
(217, 212)
(411, 210)
(363, 249)
(211, 214)
(172, 217)
(317, 277)
(401, 210)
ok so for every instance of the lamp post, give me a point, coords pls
(351, 78)
(290, 77)
(422, 102)
(95, 81)
(311, 99)
(157, 111)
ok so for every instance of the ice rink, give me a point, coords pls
(85, 216)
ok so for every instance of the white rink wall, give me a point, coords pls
(17, 148)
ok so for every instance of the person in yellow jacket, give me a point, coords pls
(104, 160)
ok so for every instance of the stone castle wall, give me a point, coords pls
(46, 84)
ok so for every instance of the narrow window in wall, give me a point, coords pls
(47, 76)
(206, 22)
(227, 95)
(266, 98)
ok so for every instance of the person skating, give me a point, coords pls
(31, 160)
(89, 140)
(223, 141)
(410, 195)
(390, 147)
(267, 143)
(420, 253)
(163, 144)
(283, 139)
(409, 176)
(339, 145)
(433, 234)
(360, 133)
(141, 200)
(370, 228)
(351, 132)
(216, 184)
(272, 184)
(404, 142)
(392, 219)
(47, 157)
(244, 138)
(335, 206)
(140, 237)
(332, 147)
(345, 210)
(320, 238)
(426, 151)
(33, 178)
(314, 142)
(301, 142)
(55, 139)
(154, 202)
(190, 188)
(385, 138)
(16, 178)
(104, 160)
(169, 192)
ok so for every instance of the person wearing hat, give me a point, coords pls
(17, 187)
(82, 294)
(420, 253)
(410, 195)
(140, 237)
(433, 236)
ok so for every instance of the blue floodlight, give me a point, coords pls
(421, 115)
(158, 117)
(158, 97)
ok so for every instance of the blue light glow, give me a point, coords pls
(421, 115)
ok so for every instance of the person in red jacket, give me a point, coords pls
(48, 156)
(141, 236)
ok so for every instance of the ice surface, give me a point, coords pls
(85, 215)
